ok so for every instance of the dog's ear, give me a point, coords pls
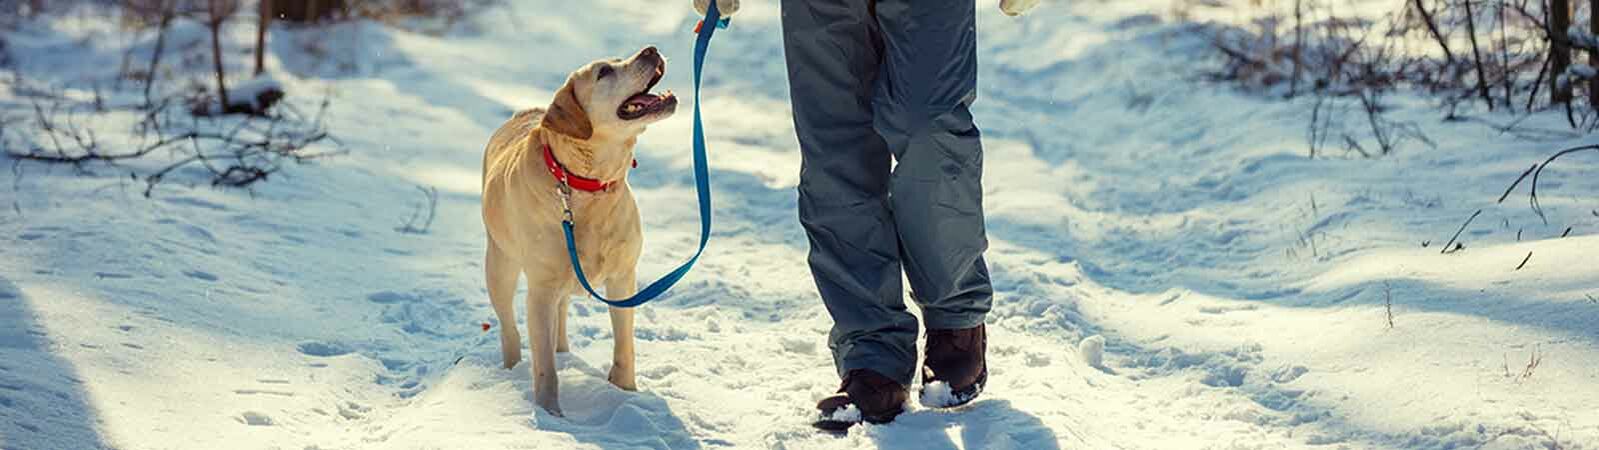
(566, 115)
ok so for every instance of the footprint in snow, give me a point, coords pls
(253, 418)
(353, 410)
(799, 345)
(323, 349)
(388, 297)
(1287, 374)
(1032, 359)
(190, 201)
(197, 233)
(200, 275)
(263, 392)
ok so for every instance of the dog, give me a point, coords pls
(586, 135)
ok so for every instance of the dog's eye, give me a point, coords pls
(605, 71)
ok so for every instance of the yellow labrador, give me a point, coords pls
(586, 136)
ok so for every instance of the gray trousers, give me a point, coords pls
(891, 170)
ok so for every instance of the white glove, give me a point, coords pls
(1009, 7)
(725, 7)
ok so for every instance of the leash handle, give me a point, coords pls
(702, 184)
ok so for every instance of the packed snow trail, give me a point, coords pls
(1240, 287)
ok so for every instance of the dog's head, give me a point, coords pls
(611, 97)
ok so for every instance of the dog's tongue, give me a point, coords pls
(642, 99)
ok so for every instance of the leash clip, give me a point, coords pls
(564, 191)
(721, 24)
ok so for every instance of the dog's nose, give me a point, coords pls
(649, 52)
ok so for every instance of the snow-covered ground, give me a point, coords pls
(1240, 287)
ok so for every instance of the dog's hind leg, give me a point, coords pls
(561, 346)
(542, 304)
(622, 369)
(501, 273)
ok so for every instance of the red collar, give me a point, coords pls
(571, 179)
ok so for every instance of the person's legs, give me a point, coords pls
(833, 51)
(921, 109)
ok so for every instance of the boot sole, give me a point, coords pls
(828, 423)
(842, 426)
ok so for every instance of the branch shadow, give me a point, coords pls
(42, 400)
(983, 424)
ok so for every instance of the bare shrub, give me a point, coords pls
(421, 221)
(1494, 54)
(1533, 360)
(1388, 303)
(449, 11)
(235, 152)
(306, 11)
(421, 15)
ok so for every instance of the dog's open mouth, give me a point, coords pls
(645, 103)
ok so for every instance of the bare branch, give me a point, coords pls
(1462, 229)
(1533, 196)
(431, 195)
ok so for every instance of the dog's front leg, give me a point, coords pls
(542, 305)
(622, 371)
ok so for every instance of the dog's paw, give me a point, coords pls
(510, 349)
(552, 407)
(511, 356)
(623, 381)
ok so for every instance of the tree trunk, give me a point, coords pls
(1593, 54)
(1560, 50)
(306, 11)
(216, 52)
(1504, 53)
(1476, 56)
(1432, 27)
(265, 13)
(1299, 44)
(167, 15)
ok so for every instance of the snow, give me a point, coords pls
(1242, 290)
(937, 394)
(252, 89)
(849, 413)
(1092, 350)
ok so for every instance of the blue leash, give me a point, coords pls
(701, 183)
